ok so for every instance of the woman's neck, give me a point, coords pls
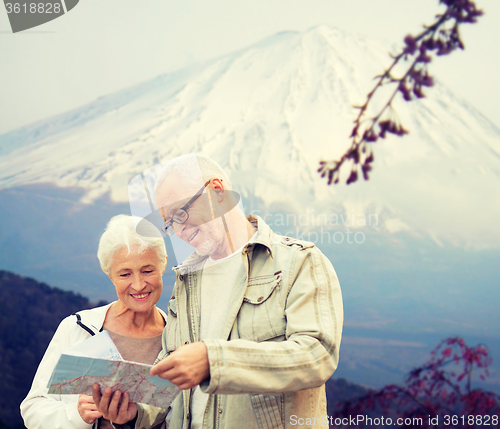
(124, 321)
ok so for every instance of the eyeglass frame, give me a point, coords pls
(170, 224)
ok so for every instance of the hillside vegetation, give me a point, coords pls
(30, 315)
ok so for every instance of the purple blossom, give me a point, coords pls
(441, 38)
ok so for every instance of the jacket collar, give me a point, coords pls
(264, 234)
(94, 317)
(264, 237)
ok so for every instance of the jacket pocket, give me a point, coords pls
(262, 315)
(171, 337)
(268, 411)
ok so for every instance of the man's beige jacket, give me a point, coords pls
(284, 327)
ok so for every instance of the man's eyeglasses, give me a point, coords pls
(181, 215)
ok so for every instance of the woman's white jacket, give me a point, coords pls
(41, 410)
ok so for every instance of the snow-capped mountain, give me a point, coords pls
(269, 113)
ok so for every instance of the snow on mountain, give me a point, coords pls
(269, 113)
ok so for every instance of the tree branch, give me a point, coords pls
(436, 37)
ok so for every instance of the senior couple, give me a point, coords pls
(252, 330)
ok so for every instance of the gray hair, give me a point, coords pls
(193, 169)
(121, 233)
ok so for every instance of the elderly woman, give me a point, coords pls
(134, 264)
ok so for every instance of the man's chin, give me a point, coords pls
(206, 249)
(203, 252)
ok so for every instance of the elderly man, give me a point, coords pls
(254, 321)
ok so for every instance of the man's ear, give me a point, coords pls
(218, 187)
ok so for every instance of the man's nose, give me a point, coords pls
(178, 228)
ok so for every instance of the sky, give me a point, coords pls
(102, 46)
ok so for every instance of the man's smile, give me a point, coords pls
(193, 236)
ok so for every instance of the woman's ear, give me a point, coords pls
(165, 267)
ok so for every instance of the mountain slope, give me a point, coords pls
(269, 113)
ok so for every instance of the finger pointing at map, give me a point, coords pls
(186, 367)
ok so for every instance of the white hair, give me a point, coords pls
(121, 233)
(194, 170)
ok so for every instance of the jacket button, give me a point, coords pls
(220, 411)
(260, 298)
(181, 278)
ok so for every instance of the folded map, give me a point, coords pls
(97, 360)
(77, 374)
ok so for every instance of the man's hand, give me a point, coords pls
(109, 405)
(87, 409)
(186, 367)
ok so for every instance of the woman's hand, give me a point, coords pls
(111, 408)
(87, 409)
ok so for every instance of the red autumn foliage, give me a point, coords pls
(439, 388)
